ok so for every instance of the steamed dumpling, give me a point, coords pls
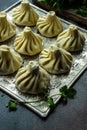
(32, 79)
(25, 15)
(28, 43)
(49, 25)
(7, 29)
(55, 60)
(10, 61)
(71, 39)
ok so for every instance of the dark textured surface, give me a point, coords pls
(6, 3)
(72, 116)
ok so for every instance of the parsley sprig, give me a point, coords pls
(65, 93)
(12, 105)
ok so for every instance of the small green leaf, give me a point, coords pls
(66, 93)
(51, 103)
(12, 105)
(71, 93)
(63, 89)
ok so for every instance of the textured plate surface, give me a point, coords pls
(79, 65)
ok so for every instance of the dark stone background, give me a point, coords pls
(72, 116)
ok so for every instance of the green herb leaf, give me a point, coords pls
(12, 105)
(63, 89)
(71, 93)
(67, 93)
(51, 103)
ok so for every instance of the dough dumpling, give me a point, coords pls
(10, 61)
(32, 79)
(25, 15)
(49, 25)
(71, 39)
(28, 43)
(55, 60)
(7, 29)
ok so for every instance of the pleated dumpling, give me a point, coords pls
(25, 15)
(28, 42)
(7, 29)
(55, 60)
(49, 25)
(32, 79)
(71, 39)
(10, 61)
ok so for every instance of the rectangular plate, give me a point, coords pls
(79, 65)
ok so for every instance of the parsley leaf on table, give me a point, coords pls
(12, 105)
(67, 93)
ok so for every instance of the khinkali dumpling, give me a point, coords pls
(25, 15)
(28, 43)
(32, 79)
(10, 61)
(49, 25)
(55, 60)
(7, 29)
(71, 39)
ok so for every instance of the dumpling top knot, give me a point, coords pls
(25, 15)
(28, 42)
(7, 29)
(71, 39)
(10, 61)
(32, 79)
(55, 60)
(49, 25)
